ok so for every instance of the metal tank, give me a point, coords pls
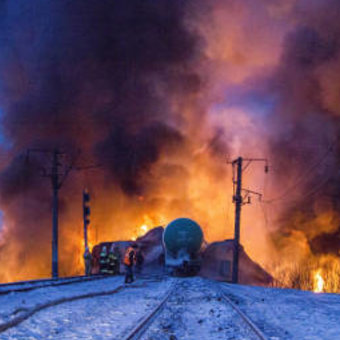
(182, 240)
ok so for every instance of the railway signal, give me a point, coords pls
(86, 214)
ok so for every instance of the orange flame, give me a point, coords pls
(148, 223)
(318, 282)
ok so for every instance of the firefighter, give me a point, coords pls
(87, 260)
(113, 261)
(103, 261)
(119, 258)
(129, 261)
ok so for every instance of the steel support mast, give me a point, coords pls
(57, 172)
(239, 200)
(238, 204)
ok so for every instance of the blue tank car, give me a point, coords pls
(182, 240)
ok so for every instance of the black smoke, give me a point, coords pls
(95, 76)
(306, 143)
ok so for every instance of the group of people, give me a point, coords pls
(110, 260)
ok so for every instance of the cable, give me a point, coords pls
(302, 177)
(317, 188)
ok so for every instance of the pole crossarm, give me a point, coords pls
(248, 193)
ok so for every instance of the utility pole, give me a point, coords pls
(239, 200)
(57, 179)
(238, 204)
(58, 172)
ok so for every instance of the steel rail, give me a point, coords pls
(146, 322)
(24, 282)
(37, 284)
(243, 316)
(27, 313)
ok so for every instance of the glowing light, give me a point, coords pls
(147, 224)
(318, 282)
(144, 228)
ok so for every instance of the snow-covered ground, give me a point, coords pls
(13, 303)
(289, 314)
(105, 317)
(194, 311)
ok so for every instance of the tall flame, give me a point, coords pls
(148, 223)
(318, 282)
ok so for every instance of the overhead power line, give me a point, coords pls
(303, 177)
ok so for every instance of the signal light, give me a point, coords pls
(86, 208)
(86, 196)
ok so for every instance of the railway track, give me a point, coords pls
(143, 325)
(22, 313)
(259, 334)
(25, 286)
(142, 329)
(27, 313)
(190, 309)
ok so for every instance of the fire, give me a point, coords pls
(142, 230)
(148, 223)
(318, 282)
(148, 179)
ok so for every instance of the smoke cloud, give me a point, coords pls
(99, 77)
(158, 95)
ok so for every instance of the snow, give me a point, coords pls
(284, 314)
(194, 311)
(105, 317)
(12, 303)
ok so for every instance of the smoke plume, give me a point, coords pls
(156, 95)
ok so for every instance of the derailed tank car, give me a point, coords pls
(182, 241)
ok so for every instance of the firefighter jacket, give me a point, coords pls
(103, 262)
(130, 257)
